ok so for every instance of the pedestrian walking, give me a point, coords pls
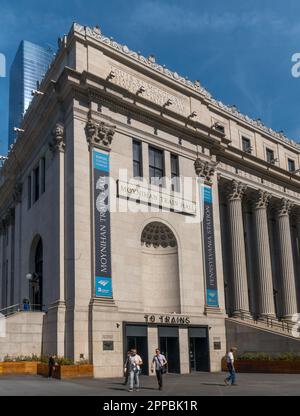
(51, 366)
(160, 363)
(135, 362)
(127, 368)
(231, 379)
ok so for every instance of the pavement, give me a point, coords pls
(198, 384)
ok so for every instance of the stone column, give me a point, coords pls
(287, 271)
(263, 257)
(239, 284)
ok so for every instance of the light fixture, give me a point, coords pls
(17, 130)
(219, 127)
(294, 172)
(111, 76)
(192, 115)
(36, 93)
(29, 276)
(141, 90)
(3, 158)
(168, 103)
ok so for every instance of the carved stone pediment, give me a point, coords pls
(205, 170)
(99, 134)
(58, 144)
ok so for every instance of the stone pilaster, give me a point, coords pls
(263, 255)
(239, 284)
(287, 271)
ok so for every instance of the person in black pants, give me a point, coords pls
(127, 368)
(160, 362)
(51, 364)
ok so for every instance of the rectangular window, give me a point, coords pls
(291, 165)
(36, 178)
(137, 159)
(29, 191)
(156, 166)
(246, 145)
(270, 156)
(175, 173)
(43, 175)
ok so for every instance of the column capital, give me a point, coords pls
(58, 144)
(99, 134)
(285, 207)
(262, 199)
(205, 170)
(236, 190)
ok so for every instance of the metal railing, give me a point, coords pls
(277, 324)
(21, 307)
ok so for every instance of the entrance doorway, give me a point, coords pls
(169, 347)
(199, 349)
(136, 338)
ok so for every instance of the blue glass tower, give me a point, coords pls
(29, 66)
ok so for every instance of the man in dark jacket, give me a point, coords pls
(51, 364)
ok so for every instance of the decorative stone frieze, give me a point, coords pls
(58, 144)
(99, 134)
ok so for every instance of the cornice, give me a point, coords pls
(95, 34)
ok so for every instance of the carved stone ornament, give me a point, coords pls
(205, 170)
(17, 193)
(99, 134)
(285, 207)
(157, 235)
(236, 190)
(262, 199)
(58, 144)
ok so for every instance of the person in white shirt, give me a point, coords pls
(160, 362)
(230, 365)
(134, 368)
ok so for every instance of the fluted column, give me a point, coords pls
(287, 272)
(263, 255)
(239, 281)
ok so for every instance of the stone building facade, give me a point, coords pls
(169, 261)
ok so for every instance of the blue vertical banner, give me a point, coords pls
(212, 298)
(103, 276)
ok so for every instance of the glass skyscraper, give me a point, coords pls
(29, 66)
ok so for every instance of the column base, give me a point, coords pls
(212, 310)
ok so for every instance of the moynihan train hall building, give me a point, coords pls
(139, 212)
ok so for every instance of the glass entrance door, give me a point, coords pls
(199, 349)
(136, 338)
(169, 347)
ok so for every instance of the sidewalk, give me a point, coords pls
(200, 384)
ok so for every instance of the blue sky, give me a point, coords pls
(240, 50)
